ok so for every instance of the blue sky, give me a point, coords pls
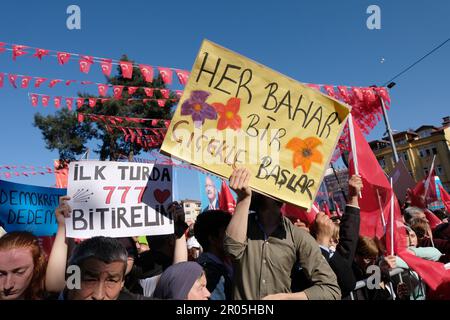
(324, 42)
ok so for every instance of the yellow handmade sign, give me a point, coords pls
(235, 111)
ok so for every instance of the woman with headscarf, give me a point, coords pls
(182, 281)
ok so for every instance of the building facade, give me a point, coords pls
(417, 148)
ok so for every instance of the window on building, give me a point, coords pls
(405, 156)
(434, 149)
(422, 153)
(426, 171)
(439, 170)
(425, 133)
(382, 162)
(428, 152)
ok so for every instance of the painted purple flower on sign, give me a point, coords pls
(197, 107)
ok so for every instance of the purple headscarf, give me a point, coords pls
(177, 280)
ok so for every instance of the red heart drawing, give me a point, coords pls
(161, 195)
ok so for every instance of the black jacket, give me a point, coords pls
(341, 261)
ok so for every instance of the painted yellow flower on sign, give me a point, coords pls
(305, 152)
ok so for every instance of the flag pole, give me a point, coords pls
(382, 211)
(392, 219)
(427, 182)
(353, 145)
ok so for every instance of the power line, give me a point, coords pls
(418, 61)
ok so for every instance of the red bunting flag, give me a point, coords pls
(314, 86)
(147, 72)
(69, 82)
(39, 81)
(92, 102)
(179, 93)
(117, 91)
(34, 100)
(166, 74)
(57, 102)
(86, 82)
(127, 69)
(54, 82)
(329, 91)
(12, 80)
(18, 50)
(106, 65)
(25, 81)
(183, 76)
(80, 102)
(148, 92)
(165, 93)
(2, 47)
(69, 103)
(102, 89)
(161, 102)
(80, 117)
(45, 99)
(40, 53)
(2, 79)
(132, 90)
(63, 57)
(85, 63)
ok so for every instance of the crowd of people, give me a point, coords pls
(259, 252)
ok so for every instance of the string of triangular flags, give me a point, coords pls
(102, 87)
(91, 101)
(114, 120)
(86, 61)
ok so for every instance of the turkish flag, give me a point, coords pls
(34, 99)
(376, 188)
(12, 80)
(69, 103)
(2, 79)
(117, 92)
(377, 197)
(39, 81)
(161, 102)
(293, 213)
(25, 81)
(226, 199)
(57, 102)
(148, 92)
(445, 198)
(45, 99)
(147, 72)
(102, 89)
(127, 69)
(166, 75)
(40, 53)
(165, 93)
(54, 82)
(80, 102)
(92, 102)
(106, 65)
(183, 76)
(63, 57)
(85, 63)
(132, 90)
(68, 82)
(18, 50)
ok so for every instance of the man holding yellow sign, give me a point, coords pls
(236, 112)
